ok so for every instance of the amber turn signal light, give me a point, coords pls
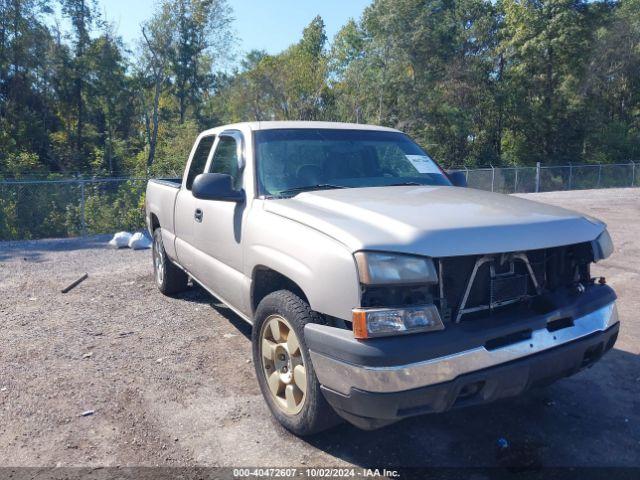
(360, 324)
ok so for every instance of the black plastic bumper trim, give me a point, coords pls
(372, 410)
(340, 345)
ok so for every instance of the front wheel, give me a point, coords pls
(169, 278)
(281, 358)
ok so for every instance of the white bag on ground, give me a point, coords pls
(139, 241)
(120, 240)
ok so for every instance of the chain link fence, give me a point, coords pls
(554, 178)
(65, 208)
(32, 209)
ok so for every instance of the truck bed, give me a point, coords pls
(160, 199)
(170, 182)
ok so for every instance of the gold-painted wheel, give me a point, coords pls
(169, 278)
(283, 364)
(158, 260)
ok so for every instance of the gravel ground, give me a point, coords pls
(170, 381)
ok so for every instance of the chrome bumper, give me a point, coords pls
(341, 376)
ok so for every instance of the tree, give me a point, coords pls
(82, 17)
(612, 87)
(474, 81)
(202, 37)
(425, 67)
(25, 108)
(110, 97)
(545, 45)
(290, 85)
(159, 41)
(348, 71)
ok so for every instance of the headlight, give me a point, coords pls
(376, 268)
(381, 322)
(602, 246)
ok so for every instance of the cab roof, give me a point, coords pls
(271, 125)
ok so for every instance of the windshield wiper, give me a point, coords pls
(403, 184)
(309, 188)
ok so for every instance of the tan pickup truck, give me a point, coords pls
(378, 286)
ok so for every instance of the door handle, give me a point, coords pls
(198, 215)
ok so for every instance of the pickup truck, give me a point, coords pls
(377, 285)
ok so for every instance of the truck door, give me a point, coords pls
(218, 232)
(185, 206)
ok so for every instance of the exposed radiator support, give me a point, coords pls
(505, 288)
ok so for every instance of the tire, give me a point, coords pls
(313, 414)
(168, 277)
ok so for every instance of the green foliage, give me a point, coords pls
(174, 146)
(112, 207)
(38, 210)
(425, 67)
(292, 85)
(17, 163)
(476, 82)
(199, 26)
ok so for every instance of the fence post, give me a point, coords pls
(570, 176)
(493, 177)
(83, 220)
(515, 183)
(537, 177)
(599, 175)
(633, 173)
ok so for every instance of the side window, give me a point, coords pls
(225, 159)
(199, 159)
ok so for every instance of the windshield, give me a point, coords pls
(293, 160)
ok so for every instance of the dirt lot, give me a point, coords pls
(171, 383)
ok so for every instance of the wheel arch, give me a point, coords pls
(266, 280)
(154, 222)
(311, 263)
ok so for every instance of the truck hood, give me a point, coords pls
(435, 221)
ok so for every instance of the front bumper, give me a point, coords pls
(368, 384)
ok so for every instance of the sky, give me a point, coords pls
(270, 25)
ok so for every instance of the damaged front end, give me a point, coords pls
(474, 286)
(469, 287)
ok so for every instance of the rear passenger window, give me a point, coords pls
(199, 159)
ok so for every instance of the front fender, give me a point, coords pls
(321, 266)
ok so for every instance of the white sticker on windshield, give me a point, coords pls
(423, 164)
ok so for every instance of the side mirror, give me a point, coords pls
(457, 177)
(216, 186)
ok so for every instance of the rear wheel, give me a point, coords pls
(286, 376)
(169, 278)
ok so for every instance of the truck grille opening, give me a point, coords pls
(476, 285)
(508, 287)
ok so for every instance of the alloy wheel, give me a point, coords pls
(158, 261)
(283, 364)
